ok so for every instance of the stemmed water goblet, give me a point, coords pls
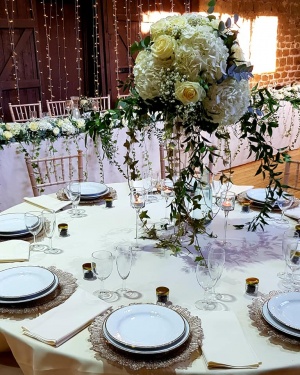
(33, 115)
(73, 192)
(124, 262)
(49, 224)
(215, 262)
(68, 106)
(104, 265)
(33, 223)
(137, 201)
(292, 258)
(206, 282)
(290, 238)
(167, 192)
(284, 202)
(227, 202)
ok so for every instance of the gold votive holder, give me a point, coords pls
(63, 229)
(251, 286)
(246, 207)
(162, 294)
(89, 271)
(108, 202)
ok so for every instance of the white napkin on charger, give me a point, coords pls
(14, 251)
(61, 323)
(47, 202)
(224, 343)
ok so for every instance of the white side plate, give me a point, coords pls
(145, 326)
(14, 223)
(286, 309)
(274, 323)
(21, 282)
(142, 351)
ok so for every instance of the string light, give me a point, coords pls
(66, 75)
(187, 6)
(58, 51)
(116, 27)
(77, 46)
(10, 20)
(47, 27)
(96, 48)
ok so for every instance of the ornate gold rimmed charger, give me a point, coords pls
(66, 287)
(104, 349)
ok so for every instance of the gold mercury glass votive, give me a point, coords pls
(252, 286)
(162, 294)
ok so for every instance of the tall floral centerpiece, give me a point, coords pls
(191, 76)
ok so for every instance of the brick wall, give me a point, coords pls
(288, 37)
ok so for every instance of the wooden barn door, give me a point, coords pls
(19, 73)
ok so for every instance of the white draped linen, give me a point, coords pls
(15, 183)
(250, 255)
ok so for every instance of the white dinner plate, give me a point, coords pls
(91, 197)
(145, 326)
(285, 308)
(149, 351)
(20, 282)
(276, 324)
(258, 195)
(36, 296)
(14, 224)
(92, 188)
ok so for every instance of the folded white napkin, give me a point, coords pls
(294, 213)
(14, 251)
(47, 202)
(224, 343)
(61, 323)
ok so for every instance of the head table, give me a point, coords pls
(252, 254)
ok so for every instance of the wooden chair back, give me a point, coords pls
(57, 108)
(291, 174)
(102, 102)
(22, 112)
(52, 171)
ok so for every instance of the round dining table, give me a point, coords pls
(248, 254)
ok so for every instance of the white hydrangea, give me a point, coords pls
(227, 102)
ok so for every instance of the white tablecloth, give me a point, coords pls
(252, 254)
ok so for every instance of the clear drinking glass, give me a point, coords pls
(206, 282)
(290, 238)
(73, 192)
(33, 223)
(292, 258)
(68, 106)
(284, 203)
(137, 201)
(124, 262)
(215, 262)
(227, 202)
(33, 115)
(49, 224)
(104, 265)
(167, 192)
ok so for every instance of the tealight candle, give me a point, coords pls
(227, 206)
(138, 202)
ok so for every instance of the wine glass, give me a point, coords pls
(206, 282)
(215, 262)
(68, 106)
(216, 185)
(33, 115)
(227, 202)
(33, 223)
(290, 238)
(137, 201)
(284, 202)
(73, 192)
(124, 262)
(49, 224)
(104, 265)
(167, 192)
(292, 258)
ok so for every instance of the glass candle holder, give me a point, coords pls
(63, 230)
(251, 286)
(162, 294)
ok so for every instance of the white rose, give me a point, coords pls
(80, 123)
(60, 123)
(7, 126)
(158, 28)
(7, 134)
(33, 126)
(56, 131)
(189, 92)
(163, 47)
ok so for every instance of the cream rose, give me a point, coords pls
(189, 92)
(158, 28)
(33, 126)
(56, 131)
(163, 47)
(80, 123)
(60, 123)
(7, 134)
